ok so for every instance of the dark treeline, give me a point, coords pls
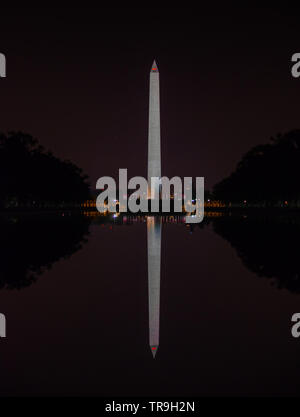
(30, 176)
(268, 175)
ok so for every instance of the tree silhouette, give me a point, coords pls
(31, 176)
(267, 174)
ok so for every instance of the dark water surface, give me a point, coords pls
(77, 307)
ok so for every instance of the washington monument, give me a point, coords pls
(154, 223)
(154, 152)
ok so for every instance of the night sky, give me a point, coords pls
(78, 80)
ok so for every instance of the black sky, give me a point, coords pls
(77, 79)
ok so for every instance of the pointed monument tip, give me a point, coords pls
(154, 67)
(154, 351)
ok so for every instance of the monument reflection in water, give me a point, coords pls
(154, 268)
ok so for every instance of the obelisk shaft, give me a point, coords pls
(154, 147)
